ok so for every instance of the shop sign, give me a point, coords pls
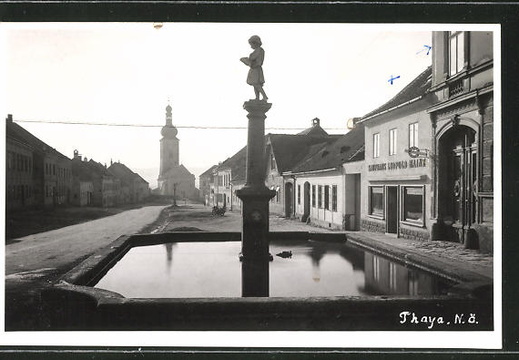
(399, 165)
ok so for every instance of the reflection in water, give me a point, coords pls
(213, 269)
(169, 254)
(384, 277)
(317, 253)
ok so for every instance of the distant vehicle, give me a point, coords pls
(219, 211)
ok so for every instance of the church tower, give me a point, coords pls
(169, 154)
(174, 179)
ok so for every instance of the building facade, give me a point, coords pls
(133, 187)
(462, 123)
(37, 174)
(326, 191)
(397, 183)
(19, 175)
(283, 153)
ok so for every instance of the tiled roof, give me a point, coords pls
(19, 133)
(88, 170)
(348, 148)
(208, 171)
(122, 172)
(314, 130)
(237, 163)
(290, 149)
(178, 172)
(416, 88)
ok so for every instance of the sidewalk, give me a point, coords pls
(443, 257)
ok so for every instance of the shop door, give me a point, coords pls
(392, 210)
(458, 183)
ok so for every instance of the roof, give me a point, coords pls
(315, 129)
(291, 149)
(348, 148)
(209, 171)
(287, 149)
(17, 132)
(87, 170)
(417, 88)
(178, 172)
(238, 165)
(122, 172)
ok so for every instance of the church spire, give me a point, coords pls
(169, 117)
(169, 131)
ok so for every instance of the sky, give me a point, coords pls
(103, 88)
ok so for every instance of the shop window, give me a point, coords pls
(456, 51)
(376, 145)
(298, 194)
(313, 195)
(320, 196)
(413, 135)
(334, 197)
(413, 204)
(376, 201)
(392, 142)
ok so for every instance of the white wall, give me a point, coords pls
(321, 216)
(399, 119)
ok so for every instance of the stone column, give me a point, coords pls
(255, 196)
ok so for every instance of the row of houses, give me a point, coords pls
(420, 166)
(39, 176)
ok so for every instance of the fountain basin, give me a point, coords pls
(75, 303)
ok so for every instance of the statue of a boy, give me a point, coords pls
(255, 61)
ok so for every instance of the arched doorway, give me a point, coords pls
(289, 199)
(457, 181)
(306, 202)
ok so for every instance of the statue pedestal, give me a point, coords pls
(255, 212)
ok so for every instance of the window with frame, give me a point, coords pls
(334, 197)
(376, 145)
(313, 195)
(413, 204)
(392, 142)
(327, 197)
(376, 201)
(413, 134)
(320, 196)
(456, 51)
(299, 194)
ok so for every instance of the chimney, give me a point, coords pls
(9, 118)
(316, 122)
